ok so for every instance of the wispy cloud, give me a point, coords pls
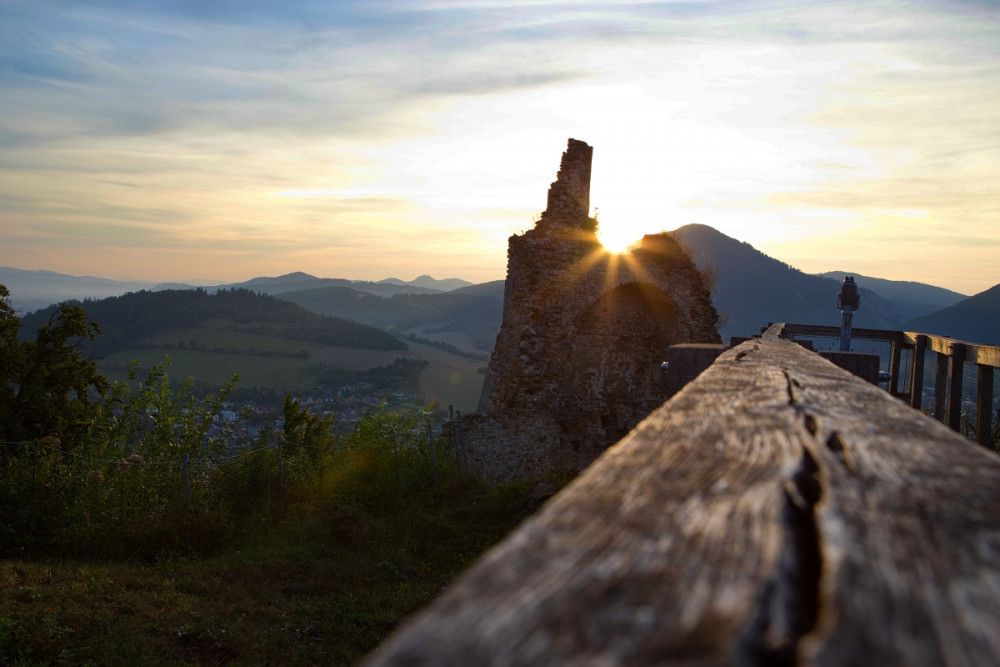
(426, 131)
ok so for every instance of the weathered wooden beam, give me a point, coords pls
(826, 331)
(975, 353)
(777, 510)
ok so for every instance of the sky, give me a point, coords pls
(221, 140)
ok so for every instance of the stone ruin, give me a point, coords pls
(578, 360)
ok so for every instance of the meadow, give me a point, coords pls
(270, 361)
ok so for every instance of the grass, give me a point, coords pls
(324, 587)
(214, 368)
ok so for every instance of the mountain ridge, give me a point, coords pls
(35, 289)
(751, 290)
(778, 292)
(974, 320)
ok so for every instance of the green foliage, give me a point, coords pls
(393, 457)
(119, 487)
(401, 373)
(46, 383)
(150, 419)
(304, 432)
(159, 471)
(211, 528)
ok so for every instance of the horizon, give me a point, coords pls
(239, 281)
(371, 139)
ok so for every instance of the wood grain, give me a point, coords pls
(776, 511)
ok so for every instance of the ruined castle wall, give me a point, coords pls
(577, 362)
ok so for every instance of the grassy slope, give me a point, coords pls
(325, 590)
(448, 380)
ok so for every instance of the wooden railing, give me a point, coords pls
(949, 387)
(776, 511)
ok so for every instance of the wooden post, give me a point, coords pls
(865, 366)
(955, 386)
(941, 386)
(894, 362)
(187, 487)
(917, 369)
(281, 472)
(686, 361)
(984, 405)
(776, 511)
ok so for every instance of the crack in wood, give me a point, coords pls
(788, 605)
(791, 385)
(812, 424)
(835, 443)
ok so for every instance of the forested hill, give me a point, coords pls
(128, 318)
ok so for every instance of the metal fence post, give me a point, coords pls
(395, 459)
(281, 473)
(434, 467)
(187, 487)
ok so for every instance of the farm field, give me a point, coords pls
(448, 380)
(457, 338)
(215, 368)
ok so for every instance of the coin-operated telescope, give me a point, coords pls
(848, 301)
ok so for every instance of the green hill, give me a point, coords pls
(128, 319)
(269, 342)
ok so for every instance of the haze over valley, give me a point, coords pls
(449, 325)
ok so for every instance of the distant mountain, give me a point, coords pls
(391, 289)
(752, 289)
(475, 310)
(493, 289)
(295, 282)
(296, 278)
(159, 287)
(443, 285)
(910, 299)
(31, 290)
(975, 320)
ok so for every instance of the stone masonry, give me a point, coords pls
(577, 362)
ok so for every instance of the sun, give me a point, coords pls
(617, 239)
(622, 230)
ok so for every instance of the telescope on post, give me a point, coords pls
(848, 300)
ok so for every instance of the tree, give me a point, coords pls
(305, 431)
(46, 384)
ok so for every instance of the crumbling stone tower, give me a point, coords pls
(577, 362)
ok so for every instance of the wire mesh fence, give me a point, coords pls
(976, 410)
(978, 395)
